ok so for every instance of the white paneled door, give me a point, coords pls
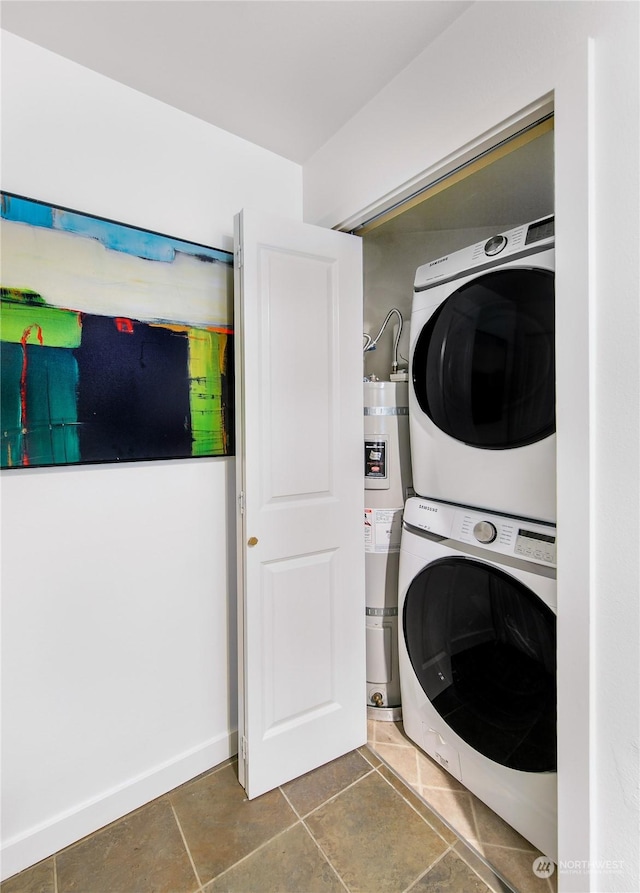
(299, 449)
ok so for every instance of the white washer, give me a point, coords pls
(482, 370)
(477, 656)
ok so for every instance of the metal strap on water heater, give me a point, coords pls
(386, 410)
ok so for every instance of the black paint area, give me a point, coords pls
(133, 396)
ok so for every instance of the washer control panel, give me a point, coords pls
(485, 531)
(536, 546)
(518, 537)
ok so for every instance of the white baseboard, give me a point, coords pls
(66, 828)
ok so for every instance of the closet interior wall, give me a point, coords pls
(515, 188)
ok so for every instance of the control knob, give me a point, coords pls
(495, 245)
(485, 532)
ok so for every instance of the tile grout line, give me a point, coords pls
(186, 845)
(466, 843)
(500, 846)
(333, 796)
(325, 856)
(478, 853)
(55, 873)
(419, 772)
(437, 787)
(506, 886)
(450, 846)
(427, 870)
(351, 784)
(312, 836)
(367, 754)
(475, 821)
(409, 803)
(512, 849)
(401, 745)
(252, 853)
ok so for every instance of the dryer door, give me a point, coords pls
(484, 364)
(483, 647)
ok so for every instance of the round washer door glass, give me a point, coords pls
(483, 647)
(484, 364)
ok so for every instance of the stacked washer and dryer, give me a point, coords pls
(477, 580)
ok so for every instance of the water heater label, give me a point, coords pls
(382, 530)
(375, 459)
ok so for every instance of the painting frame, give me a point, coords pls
(116, 342)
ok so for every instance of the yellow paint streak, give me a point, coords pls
(207, 352)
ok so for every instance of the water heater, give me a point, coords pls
(387, 483)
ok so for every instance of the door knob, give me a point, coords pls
(252, 541)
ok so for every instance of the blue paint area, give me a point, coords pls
(21, 210)
(49, 433)
(115, 236)
(11, 370)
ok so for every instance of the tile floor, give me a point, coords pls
(509, 854)
(352, 825)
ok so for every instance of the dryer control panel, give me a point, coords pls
(517, 537)
(521, 241)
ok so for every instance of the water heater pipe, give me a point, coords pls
(371, 343)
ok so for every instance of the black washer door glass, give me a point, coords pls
(483, 647)
(484, 363)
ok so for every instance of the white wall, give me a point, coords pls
(118, 589)
(495, 60)
(74, 138)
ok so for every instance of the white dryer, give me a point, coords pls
(477, 656)
(482, 370)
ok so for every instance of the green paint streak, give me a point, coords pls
(60, 328)
(206, 366)
(21, 296)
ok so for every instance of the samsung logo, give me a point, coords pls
(440, 260)
(428, 508)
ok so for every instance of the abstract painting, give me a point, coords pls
(116, 342)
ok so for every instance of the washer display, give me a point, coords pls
(482, 367)
(477, 655)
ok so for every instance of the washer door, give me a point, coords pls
(483, 647)
(484, 365)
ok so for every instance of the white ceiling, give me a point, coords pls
(284, 74)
